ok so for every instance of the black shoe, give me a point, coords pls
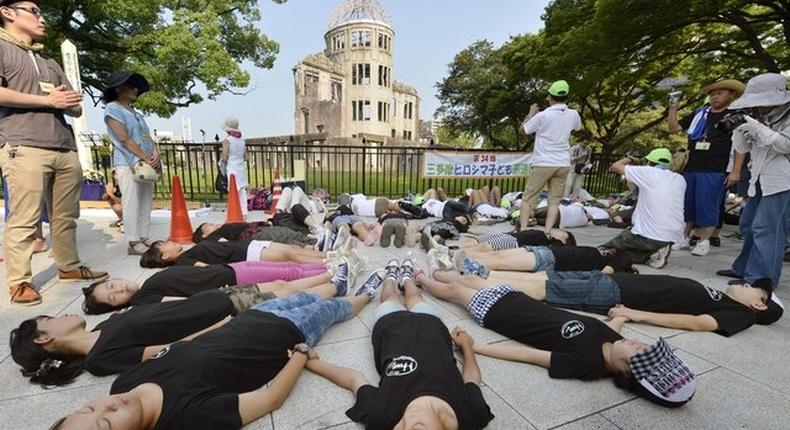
(728, 273)
(736, 282)
(693, 241)
(787, 257)
(715, 241)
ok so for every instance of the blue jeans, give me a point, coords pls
(702, 203)
(311, 314)
(764, 227)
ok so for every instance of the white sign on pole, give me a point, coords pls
(71, 66)
(483, 164)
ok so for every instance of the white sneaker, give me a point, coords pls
(659, 259)
(702, 249)
(681, 244)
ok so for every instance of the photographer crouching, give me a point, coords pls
(760, 121)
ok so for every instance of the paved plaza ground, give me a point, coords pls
(744, 381)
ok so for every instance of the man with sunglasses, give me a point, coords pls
(38, 154)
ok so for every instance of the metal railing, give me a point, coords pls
(387, 171)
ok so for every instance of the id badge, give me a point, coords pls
(702, 145)
(46, 87)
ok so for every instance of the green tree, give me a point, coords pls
(446, 136)
(188, 49)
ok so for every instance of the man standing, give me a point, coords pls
(38, 155)
(766, 217)
(658, 216)
(709, 155)
(580, 157)
(551, 158)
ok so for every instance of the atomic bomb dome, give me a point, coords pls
(359, 10)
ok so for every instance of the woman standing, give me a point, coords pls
(132, 141)
(234, 156)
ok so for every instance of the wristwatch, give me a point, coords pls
(302, 348)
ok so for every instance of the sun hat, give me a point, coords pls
(559, 89)
(659, 156)
(120, 78)
(733, 85)
(774, 309)
(231, 124)
(768, 89)
(661, 376)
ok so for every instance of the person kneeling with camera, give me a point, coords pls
(761, 126)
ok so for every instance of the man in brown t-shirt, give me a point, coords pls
(38, 154)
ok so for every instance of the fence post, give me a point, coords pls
(291, 156)
(364, 168)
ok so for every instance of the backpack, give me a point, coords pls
(259, 199)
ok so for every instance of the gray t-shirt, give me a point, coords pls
(39, 127)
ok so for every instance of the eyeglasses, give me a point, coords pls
(33, 11)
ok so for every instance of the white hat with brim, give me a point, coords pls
(231, 124)
(766, 90)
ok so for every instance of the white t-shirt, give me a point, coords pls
(552, 128)
(596, 213)
(491, 212)
(659, 211)
(573, 215)
(361, 206)
(434, 207)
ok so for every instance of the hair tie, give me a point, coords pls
(46, 365)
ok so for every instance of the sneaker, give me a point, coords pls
(340, 238)
(373, 235)
(715, 241)
(701, 249)
(400, 235)
(392, 271)
(412, 235)
(138, 248)
(340, 279)
(321, 239)
(371, 286)
(387, 232)
(660, 258)
(82, 273)
(406, 272)
(425, 238)
(681, 244)
(433, 263)
(24, 294)
(466, 265)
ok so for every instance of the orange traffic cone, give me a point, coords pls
(277, 190)
(234, 205)
(180, 227)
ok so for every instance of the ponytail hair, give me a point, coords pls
(42, 367)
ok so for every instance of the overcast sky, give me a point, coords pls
(428, 33)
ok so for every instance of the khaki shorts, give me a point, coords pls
(541, 176)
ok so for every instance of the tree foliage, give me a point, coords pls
(621, 58)
(188, 49)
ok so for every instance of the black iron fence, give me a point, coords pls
(374, 171)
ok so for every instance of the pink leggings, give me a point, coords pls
(256, 272)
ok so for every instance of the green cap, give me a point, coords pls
(559, 89)
(659, 156)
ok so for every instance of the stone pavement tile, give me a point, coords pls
(347, 330)
(739, 353)
(593, 422)
(345, 426)
(263, 423)
(547, 402)
(317, 403)
(697, 364)
(15, 385)
(42, 410)
(448, 318)
(505, 416)
(724, 400)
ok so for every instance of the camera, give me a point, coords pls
(675, 96)
(732, 120)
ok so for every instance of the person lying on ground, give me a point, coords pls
(570, 215)
(237, 373)
(569, 345)
(259, 230)
(397, 229)
(501, 241)
(665, 301)
(362, 205)
(179, 282)
(293, 196)
(298, 219)
(420, 383)
(542, 258)
(338, 228)
(164, 254)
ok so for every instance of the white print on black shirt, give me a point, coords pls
(572, 329)
(124, 310)
(161, 353)
(714, 294)
(401, 366)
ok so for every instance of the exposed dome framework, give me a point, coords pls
(359, 10)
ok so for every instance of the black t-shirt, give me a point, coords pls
(531, 238)
(584, 258)
(214, 253)
(237, 231)
(575, 341)
(716, 158)
(201, 379)
(414, 356)
(125, 335)
(183, 281)
(668, 294)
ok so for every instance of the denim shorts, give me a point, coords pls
(308, 312)
(584, 291)
(544, 258)
(390, 307)
(345, 219)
